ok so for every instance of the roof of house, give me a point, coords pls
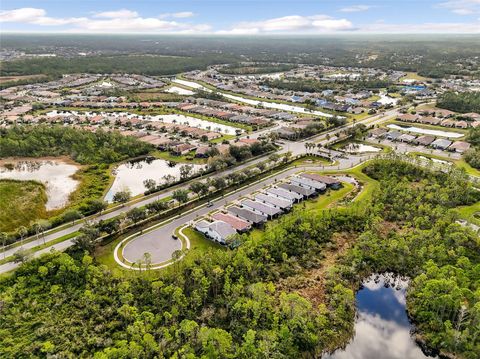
(297, 189)
(235, 222)
(277, 202)
(425, 140)
(309, 182)
(223, 229)
(248, 215)
(264, 208)
(441, 142)
(319, 178)
(461, 146)
(406, 137)
(281, 192)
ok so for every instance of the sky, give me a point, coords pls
(241, 17)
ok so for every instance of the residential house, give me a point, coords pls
(252, 217)
(217, 230)
(303, 191)
(261, 208)
(239, 224)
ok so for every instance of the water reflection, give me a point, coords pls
(382, 328)
(130, 175)
(54, 174)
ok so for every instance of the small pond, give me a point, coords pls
(130, 175)
(195, 122)
(56, 175)
(360, 148)
(382, 328)
(426, 131)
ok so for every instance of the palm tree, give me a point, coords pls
(22, 232)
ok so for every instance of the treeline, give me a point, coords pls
(137, 64)
(460, 102)
(81, 145)
(227, 304)
(220, 304)
(472, 156)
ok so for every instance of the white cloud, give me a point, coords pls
(183, 14)
(462, 7)
(291, 24)
(35, 16)
(118, 14)
(122, 20)
(423, 28)
(355, 8)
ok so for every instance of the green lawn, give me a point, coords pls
(21, 202)
(470, 213)
(413, 76)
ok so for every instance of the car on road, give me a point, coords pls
(209, 204)
(174, 236)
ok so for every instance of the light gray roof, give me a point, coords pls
(277, 202)
(247, 214)
(261, 207)
(281, 192)
(302, 181)
(441, 142)
(224, 229)
(297, 189)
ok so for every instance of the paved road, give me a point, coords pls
(157, 241)
(295, 148)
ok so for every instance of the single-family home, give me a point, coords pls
(280, 203)
(441, 144)
(254, 218)
(459, 146)
(308, 183)
(305, 192)
(329, 181)
(283, 193)
(217, 230)
(424, 140)
(239, 224)
(261, 208)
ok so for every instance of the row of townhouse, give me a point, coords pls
(263, 206)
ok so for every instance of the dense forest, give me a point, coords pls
(472, 156)
(81, 145)
(460, 102)
(137, 64)
(230, 304)
(430, 56)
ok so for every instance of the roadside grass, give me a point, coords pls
(22, 202)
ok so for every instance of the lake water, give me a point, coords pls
(360, 148)
(426, 131)
(265, 104)
(56, 175)
(180, 91)
(130, 175)
(382, 328)
(195, 122)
